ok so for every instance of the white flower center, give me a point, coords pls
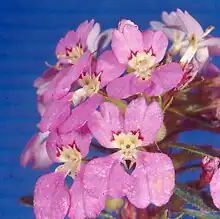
(143, 64)
(90, 85)
(71, 159)
(128, 144)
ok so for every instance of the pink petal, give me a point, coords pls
(110, 67)
(35, 151)
(47, 76)
(55, 114)
(126, 86)
(165, 78)
(51, 197)
(214, 50)
(120, 47)
(148, 120)
(49, 94)
(154, 180)
(133, 38)
(212, 41)
(83, 31)
(103, 124)
(77, 206)
(64, 85)
(81, 114)
(159, 45)
(53, 142)
(119, 181)
(83, 139)
(215, 188)
(134, 119)
(190, 23)
(148, 36)
(97, 172)
(69, 41)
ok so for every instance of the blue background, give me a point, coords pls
(29, 31)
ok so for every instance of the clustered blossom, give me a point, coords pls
(118, 100)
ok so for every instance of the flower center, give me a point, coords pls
(72, 53)
(128, 144)
(71, 158)
(90, 84)
(143, 64)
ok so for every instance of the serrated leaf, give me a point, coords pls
(201, 215)
(192, 197)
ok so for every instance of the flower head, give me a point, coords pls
(142, 55)
(128, 134)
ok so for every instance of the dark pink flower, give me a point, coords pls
(152, 180)
(36, 152)
(142, 54)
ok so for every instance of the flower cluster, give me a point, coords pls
(128, 101)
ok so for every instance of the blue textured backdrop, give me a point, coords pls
(29, 31)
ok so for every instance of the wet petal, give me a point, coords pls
(69, 41)
(133, 120)
(83, 31)
(126, 86)
(159, 45)
(215, 188)
(35, 151)
(103, 124)
(133, 38)
(55, 114)
(148, 36)
(110, 67)
(160, 175)
(151, 123)
(97, 172)
(120, 47)
(165, 78)
(51, 197)
(81, 114)
(64, 85)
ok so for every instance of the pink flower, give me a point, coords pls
(35, 152)
(52, 198)
(87, 79)
(142, 54)
(73, 45)
(188, 36)
(152, 180)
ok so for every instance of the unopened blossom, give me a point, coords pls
(152, 180)
(86, 80)
(52, 198)
(209, 167)
(215, 181)
(142, 53)
(35, 152)
(189, 37)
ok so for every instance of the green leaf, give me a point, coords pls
(192, 197)
(201, 215)
(200, 150)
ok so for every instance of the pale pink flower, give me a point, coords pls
(35, 152)
(52, 198)
(73, 45)
(87, 78)
(152, 180)
(188, 36)
(142, 53)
